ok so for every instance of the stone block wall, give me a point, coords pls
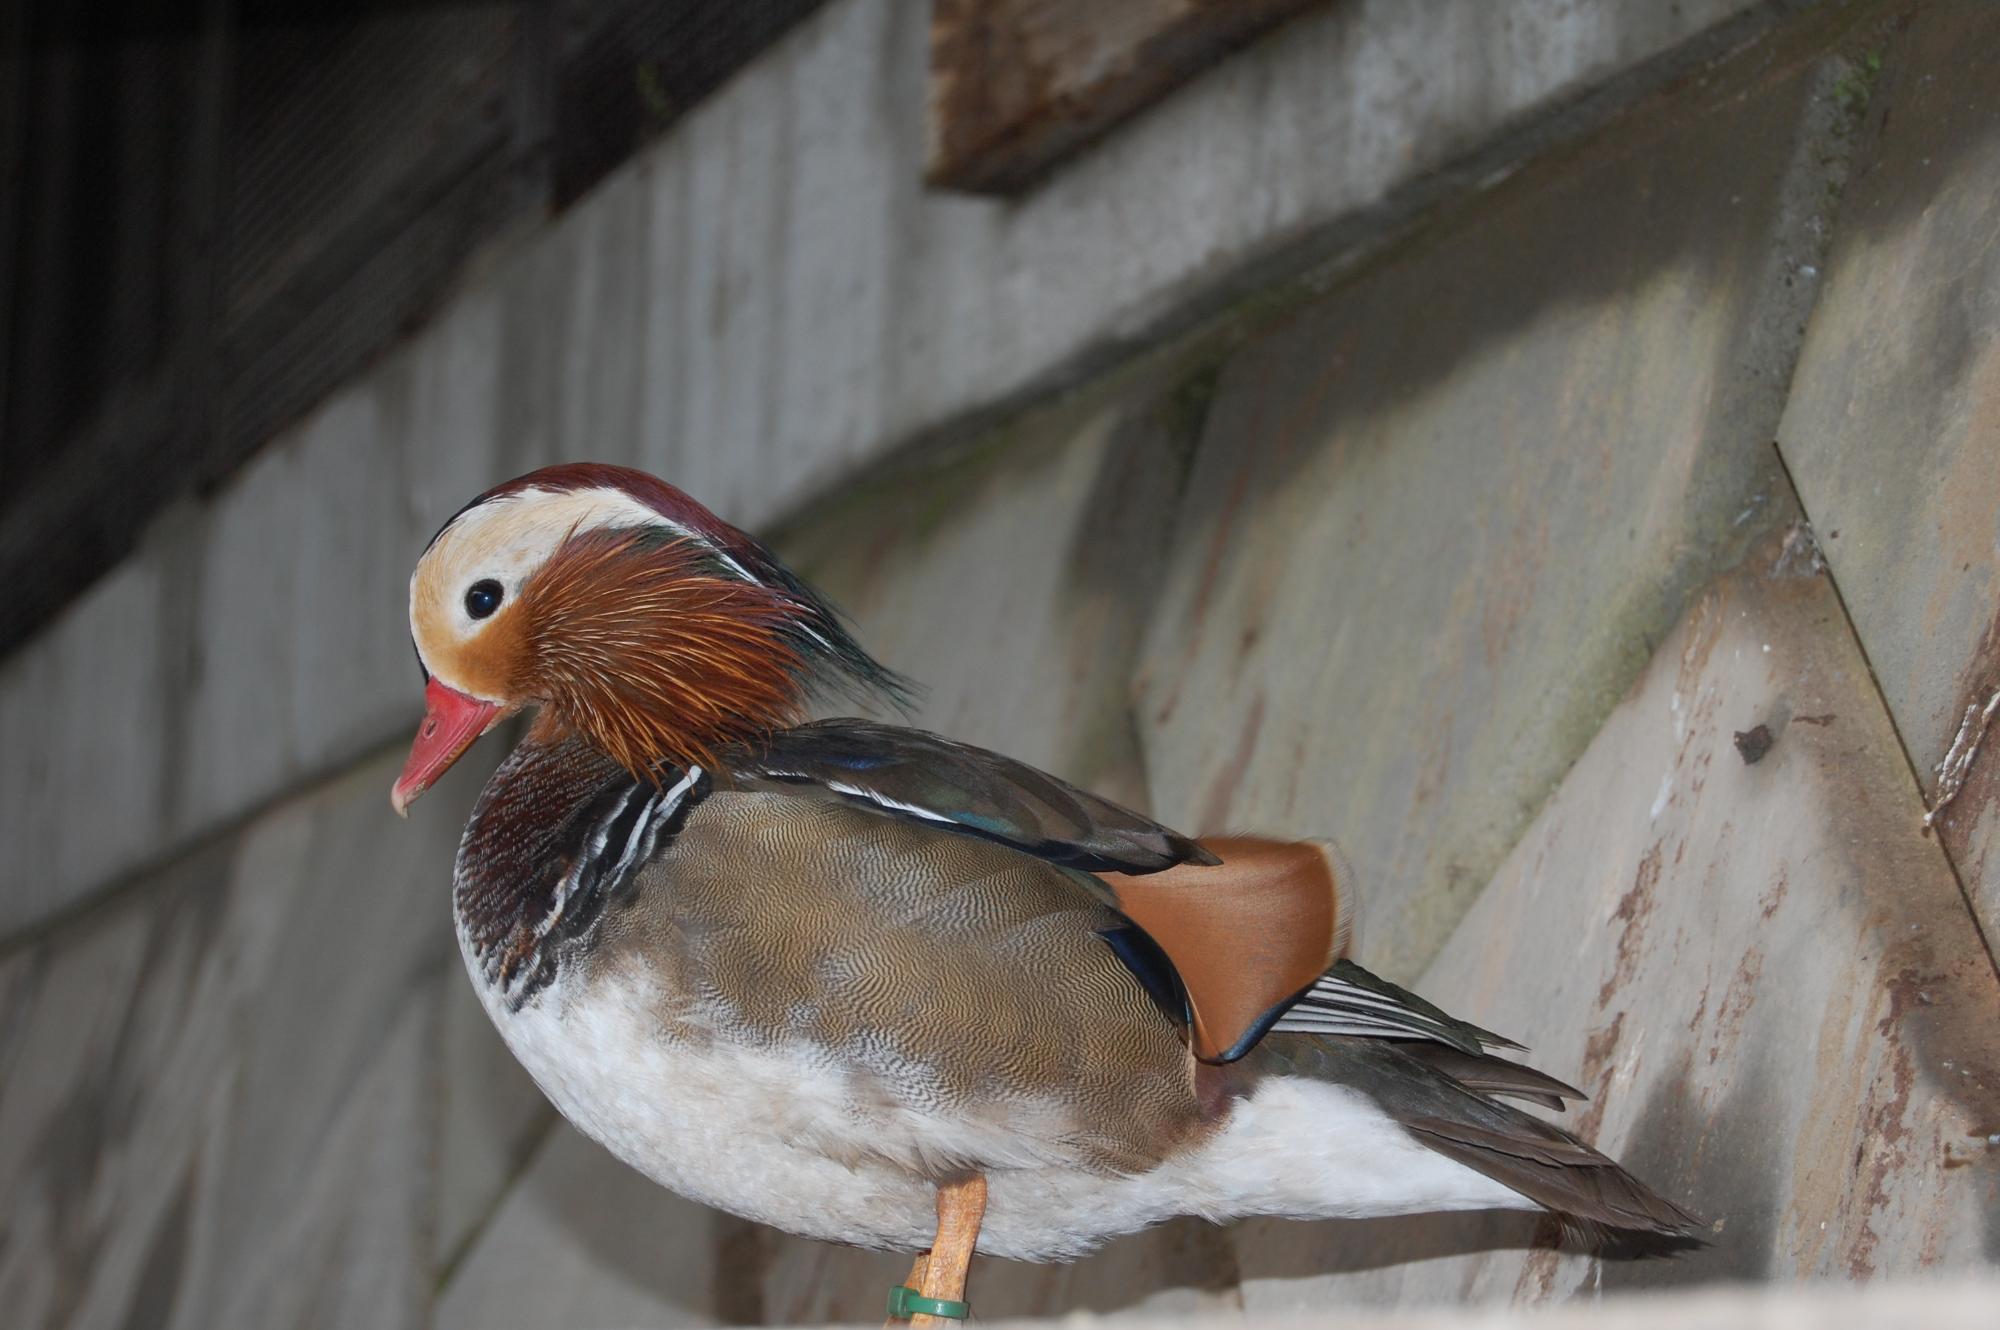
(1567, 471)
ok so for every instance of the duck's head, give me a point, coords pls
(627, 612)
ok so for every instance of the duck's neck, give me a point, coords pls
(558, 832)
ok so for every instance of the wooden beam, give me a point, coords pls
(1018, 85)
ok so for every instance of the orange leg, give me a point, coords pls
(940, 1272)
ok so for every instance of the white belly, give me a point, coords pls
(779, 1137)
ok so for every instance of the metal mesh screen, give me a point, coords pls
(219, 212)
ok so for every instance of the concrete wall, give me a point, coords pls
(1374, 439)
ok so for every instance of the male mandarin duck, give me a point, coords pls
(858, 981)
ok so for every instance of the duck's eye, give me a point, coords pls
(483, 597)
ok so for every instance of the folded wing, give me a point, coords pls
(1242, 934)
(915, 774)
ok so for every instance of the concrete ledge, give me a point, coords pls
(1910, 1306)
(1960, 1305)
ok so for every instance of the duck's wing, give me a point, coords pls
(925, 777)
(952, 1001)
(1349, 1000)
(1239, 936)
(1228, 933)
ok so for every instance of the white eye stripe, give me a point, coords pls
(509, 539)
(516, 533)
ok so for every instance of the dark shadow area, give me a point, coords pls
(1349, 1246)
(659, 1248)
(1182, 1254)
(217, 213)
(1720, 1162)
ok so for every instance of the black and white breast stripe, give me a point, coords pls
(625, 835)
(589, 863)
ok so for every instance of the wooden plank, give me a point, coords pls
(1018, 85)
(628, 70)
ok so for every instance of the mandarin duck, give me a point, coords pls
(870, 985)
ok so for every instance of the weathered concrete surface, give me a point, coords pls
(808, 303)
(1011, 580)
(300, 585)
(80, 722)
(216, 1092)
(762, 302)
(252, 642)
(1889, 1305)
(1893, 429)
(493, 1117)
(1438, 521)
(345, 1215)
(1763, 975)
(583, 1240)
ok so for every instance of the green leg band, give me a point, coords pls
(905, 1302)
